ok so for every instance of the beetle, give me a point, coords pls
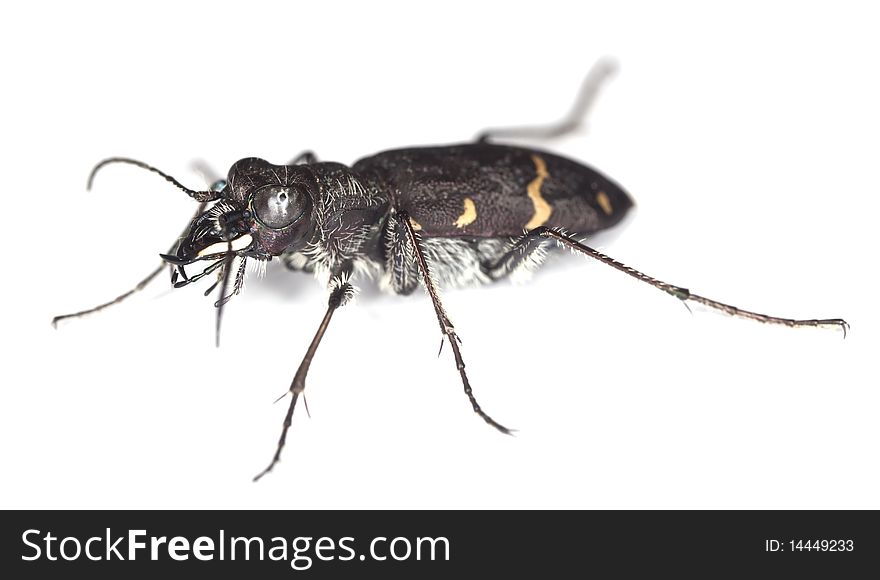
(430, 216)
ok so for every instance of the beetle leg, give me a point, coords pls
(341, 293)
(443, 319)
(569, 241)
(525, 253)
(140, 285)
(592, 83)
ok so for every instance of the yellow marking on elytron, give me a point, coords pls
(542, 208)
(604, 202)
(416, 225)
(469, 214)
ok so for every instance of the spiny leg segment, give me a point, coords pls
(527, 242)
(341, 294)
(445, 324)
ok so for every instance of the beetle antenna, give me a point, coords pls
(140, 285)
(196, 195)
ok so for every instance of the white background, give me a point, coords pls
(748, 136)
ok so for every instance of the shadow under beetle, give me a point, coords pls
(449, 215)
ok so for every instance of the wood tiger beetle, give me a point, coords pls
(431, 216)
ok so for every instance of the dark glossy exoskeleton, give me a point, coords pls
(467, 204)
(451, 215)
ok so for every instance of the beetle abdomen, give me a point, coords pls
(485, 190)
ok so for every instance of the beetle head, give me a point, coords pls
(262, 211)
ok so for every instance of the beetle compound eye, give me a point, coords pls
(277, 206)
